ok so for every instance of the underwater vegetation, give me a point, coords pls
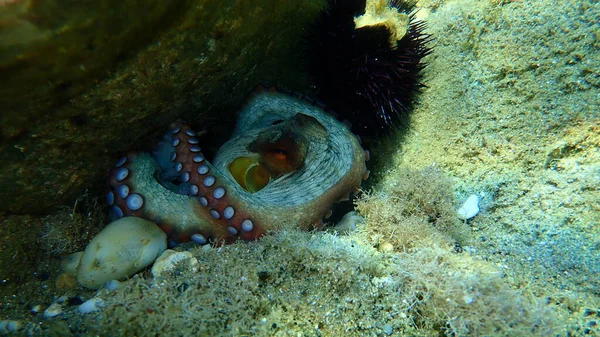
(420, 205)
(302, 283)
(72, 228)
(297, 282)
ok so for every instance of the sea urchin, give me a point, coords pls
(366, 58)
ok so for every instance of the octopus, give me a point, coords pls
(287, 162)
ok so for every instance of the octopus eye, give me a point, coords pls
(277, 155)
(277, 151)
(285, 155)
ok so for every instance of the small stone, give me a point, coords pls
(348, 223)
(168, 261)
(386, 247)
(53, 310)
(36, 309)
(120, 250)
(91, 305)
(469, 208)
(62, 299)
(7, 326)
(112, 285)
(387, 329)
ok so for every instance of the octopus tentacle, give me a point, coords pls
(286, 163)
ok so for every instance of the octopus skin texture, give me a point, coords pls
(287, 161)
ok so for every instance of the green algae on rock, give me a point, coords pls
(50, 53)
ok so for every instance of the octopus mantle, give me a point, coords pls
(286, 163)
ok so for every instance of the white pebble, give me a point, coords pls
(54, 309)
(470, 208)
(90, 305)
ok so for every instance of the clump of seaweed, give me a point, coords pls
(447, 292)
(299, 283)
(414, 208)
(71, 228)
(457, 295)
(289, 283)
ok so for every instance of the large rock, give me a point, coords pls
(83, 81)
(120, 250)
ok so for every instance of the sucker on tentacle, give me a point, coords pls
(286, 163)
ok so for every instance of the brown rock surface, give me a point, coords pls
(82, 82)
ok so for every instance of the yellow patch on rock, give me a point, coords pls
(379, 12)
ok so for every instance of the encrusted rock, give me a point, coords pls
(171, 261)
